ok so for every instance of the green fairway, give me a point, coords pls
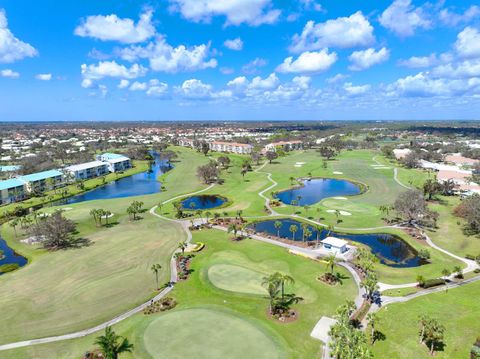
(236, 279)
(209, 334)
(457, 310)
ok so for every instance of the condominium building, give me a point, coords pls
(87, 170)
(115, 162)
(240, 148)
(186, 142)
(42, 181)
(11, 190)
(284, 145)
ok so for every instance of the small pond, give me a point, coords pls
(314, 190)
(8, 255)
(204, 201)
(135, 185)
(390, 250)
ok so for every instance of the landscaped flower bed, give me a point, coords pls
(183, 265)
(161, 305)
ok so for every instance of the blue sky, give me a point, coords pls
(239, 60)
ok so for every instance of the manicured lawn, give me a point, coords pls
(245, 314)
(456, 310)
(208, 333)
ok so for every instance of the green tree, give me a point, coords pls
(370, 284)
(330, 262)
(182, 246)
(372, 319)
(293, 228)
(277, 225)
(155, 268)
(112, 344)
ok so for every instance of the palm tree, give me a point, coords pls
(319, 230)
(112, 344)
(207, 215)
(291, 180)
(277, 226)
(155, 268)
(14, 224)
(182, 246)
(446, 272)
(272, 284)
(306, 208)
(233, 228)
(107, 214)
(284, 279)
(331, 261)
(293, 228)
(372, 319)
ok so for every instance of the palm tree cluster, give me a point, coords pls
(135, 208)
(431, 333)
(112, 344)
(348, 342)
(280, 302)
(365, 261)
(99, 214)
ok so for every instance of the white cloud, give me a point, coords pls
(402, 18)
(123, 84)
(267, 83)
(291, 91)
(9, 73)
(252, 12)
(165, 58)
(361, 60)
(195, 90)
(419, 61)
(11, 48)
(468, 43)
(343, 32)
(355, 90)
(138, 86)
(157, 89)
(234, 44)
(461, 70)
(309, 62)
(103, 69)
(311, 5)
(226, 70)
(44, 77)
(252, 66)
(103, 91)
(450, 18)
(113, 28)
(337, 78)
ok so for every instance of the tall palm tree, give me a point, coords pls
(112, 344)
(182, 245)
(155, 268)
(293, 229)
(277, 226)
(233, 229)
(330, 260)
(284, 279)
(372, 319)
(272, 284)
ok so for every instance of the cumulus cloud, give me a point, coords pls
(451, 18)
(268, 83)
(309, 62)
(44, 77)
(11, 48)
(166, 58)
(352, 90)
(419, 61)
(138, 86)
(343, 32)
(234, 44)
(290, 91)
(103, 69)
(468, 43)
(252, 66)
(113, 28)
(195, 89)
(402, 18)
(157, 89)
(236, 12)
(361, 60)
(337, 78)
(9, 74)
(123, 84)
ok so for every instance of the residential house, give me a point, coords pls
(232, 147)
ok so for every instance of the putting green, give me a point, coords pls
(349, 206)
(236, 279)
(210, 334)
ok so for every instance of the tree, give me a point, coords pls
(277, 225)
(411, 160)
(56, 232)
(233, 229)
(182, 246)
(135, 208)
(293, 228)
(372, 319)
(424, 254)
(155, 268)
(411, 205)
(469, 209)
(458, 271)
(208, 173)
(271, 155)
(256, 157)
(431, 187)
(112, 344)
(14, 223)
(224, 161)
(205, 148)
(243, 172)
(387, 151)
(370, 284)
(272, 284)
(330, 262)
(327, 152)
(433, 334)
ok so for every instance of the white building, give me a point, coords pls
(115, 162)
(186, 142)
(240, 148)
(335, 245)
(87, 170)
(284, 145)
(41, 181)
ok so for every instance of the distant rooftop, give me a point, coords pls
(85, 166)
(9, 168)
(10, 183)
(41, 176)
(112, 156)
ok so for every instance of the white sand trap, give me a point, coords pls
(383, 168)
(377, 165)
(341, 198)
(337, 173)
(297, 165)
(109, 216)
(343, 213)
(300, 163)
(67, 209)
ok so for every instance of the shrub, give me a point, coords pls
(5, 268)
(429, 283)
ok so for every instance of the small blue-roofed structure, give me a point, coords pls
(11, 190)
(109, 156)
(9, 168)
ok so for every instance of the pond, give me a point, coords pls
(204, 201)
(135, 185)
(8, 255)
(314, 190)
(389, 249)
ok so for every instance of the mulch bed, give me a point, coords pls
(291, 317)
(183, 266)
